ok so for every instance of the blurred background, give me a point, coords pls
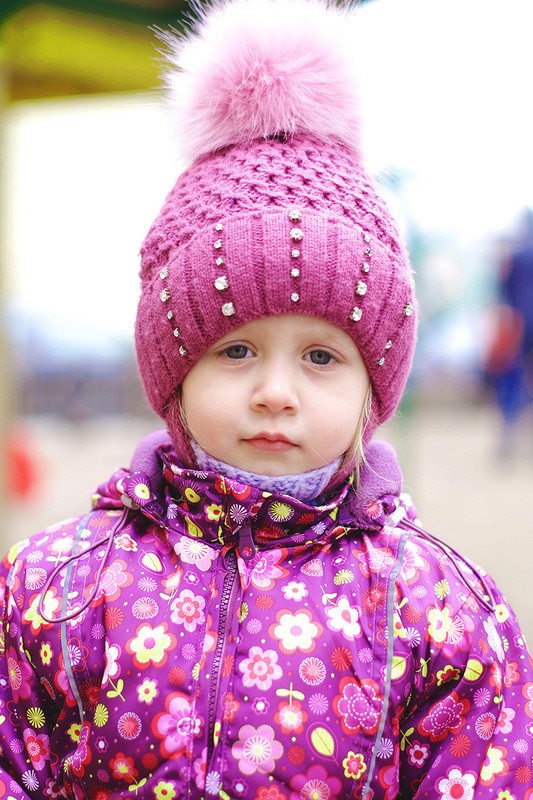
(86, 158)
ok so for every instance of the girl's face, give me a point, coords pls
(277, 396)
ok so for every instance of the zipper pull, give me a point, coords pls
(247, 546)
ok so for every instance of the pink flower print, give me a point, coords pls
(359, 705)
(125, 542)
(151, 645)
(37, 747)
(34, 578)
(505, 719)
(413, 563)
(260, 668)
(196, 552)
(312, 670)
(176, 726)
(256, 749)
(296, 631)
(374, 559)
(389, 780)
(313, 568)
(457, 784)
(18, 673)
(113, 579)
(344, 618)
(266, 569)
(129, 725)
(511, 674)
(485, 725)
(417, 754)
(315, 784)
(290, 716)
(144, 608)
(187, 610)
(527, 691)
(448, 715)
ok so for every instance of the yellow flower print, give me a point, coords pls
(214, 512)
(494, 764)
(46, 653)
(101, 715)
(147, 691)
(151, 644)
(440, 624)
(74, 731)
(354, 765)
(280, 512)
(502, 613)
(164, 790)
(36, 717)
(442, 589)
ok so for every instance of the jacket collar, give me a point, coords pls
(215, 508)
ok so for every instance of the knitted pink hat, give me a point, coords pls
(275, 215)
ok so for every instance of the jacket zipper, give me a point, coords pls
(226, 605)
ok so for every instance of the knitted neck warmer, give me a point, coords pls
(303, 487)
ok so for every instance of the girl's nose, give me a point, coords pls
(275, 391)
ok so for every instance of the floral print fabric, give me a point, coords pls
(193, 637)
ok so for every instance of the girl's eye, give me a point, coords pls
(320, 357)
(236, 351)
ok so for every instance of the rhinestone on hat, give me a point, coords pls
(218, 244)
(388, 345)
(297, 234)
(408, 309)
(164, 273)
(366, 266)
(165, 295)
(182, 351)
(295, 253)
(219, 261)
(368, 252)
(366, 237)
(356, 314)
(295, 215)
(295, 297)
(221, 283)
(360, 288)
(381, 361)
(228, 309)
(295, 272)
(176, 332)
(170, 314)
(219, 226)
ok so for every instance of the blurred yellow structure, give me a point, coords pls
(68, 47)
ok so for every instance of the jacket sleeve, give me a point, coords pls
(27, 714)
(466, 728)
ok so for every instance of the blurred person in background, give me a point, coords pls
(509, 363)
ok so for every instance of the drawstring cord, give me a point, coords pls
(68, 565)
(487, 600)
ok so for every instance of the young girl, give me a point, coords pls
(251, 609)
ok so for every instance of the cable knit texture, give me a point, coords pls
(305, 486)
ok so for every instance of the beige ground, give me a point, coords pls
(465, 494)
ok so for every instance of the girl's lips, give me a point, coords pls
(270, 443)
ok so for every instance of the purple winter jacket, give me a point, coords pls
(193, 637)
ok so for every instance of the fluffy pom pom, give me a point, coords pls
(250, 69)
